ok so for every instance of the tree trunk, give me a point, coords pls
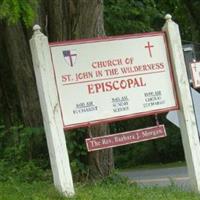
(19, 57)
(100, 162)
(75, 20)
(72, 19)
(9, 101)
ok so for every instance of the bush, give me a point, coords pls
(165, 150)
(78, 153)
(23, 154)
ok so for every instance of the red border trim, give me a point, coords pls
(105, 38)
(171, 71)
(113, 38)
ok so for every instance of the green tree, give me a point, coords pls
(132, 16)
(61, 20)
(127, 16)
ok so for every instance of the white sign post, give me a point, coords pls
(186, 114)
(51, 112)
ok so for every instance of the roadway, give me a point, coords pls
(159, 177)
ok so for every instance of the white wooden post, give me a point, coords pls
(51, 112)
(187, 121)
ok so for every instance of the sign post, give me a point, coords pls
(186, 114)
(51, 113)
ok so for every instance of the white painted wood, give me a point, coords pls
(51, 113)
(172, 116)
(186, 114)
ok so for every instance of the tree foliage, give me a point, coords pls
(61, 20)
(129, 16)
(14, 10)
(70, 20)
(133, 16)
(186, 14)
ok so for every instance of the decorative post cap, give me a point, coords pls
(168, 17)
(36, 29)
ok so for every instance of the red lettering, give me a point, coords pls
(130, 82)
(98, 87)
(94, 64)
(109, 63)
(115, 85)
(90, 89)
(108, 86)
(123, 84)
(106, 63)
(162, 66)
(64, 78)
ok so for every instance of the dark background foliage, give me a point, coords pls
(23, 148)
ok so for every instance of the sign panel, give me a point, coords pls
(195, 67)
(125, 138)
(113, 78)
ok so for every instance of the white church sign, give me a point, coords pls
(113, 78)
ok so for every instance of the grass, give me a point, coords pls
(12, 190)
(106, 190)
(133, 192)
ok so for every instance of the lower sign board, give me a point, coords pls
(125, 138)
(113, 78)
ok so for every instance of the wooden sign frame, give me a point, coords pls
(97, 85)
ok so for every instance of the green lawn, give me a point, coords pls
(12, 190)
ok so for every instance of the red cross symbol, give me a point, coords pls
(149, 46)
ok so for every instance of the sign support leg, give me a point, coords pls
(186, 113)
(51, 113)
